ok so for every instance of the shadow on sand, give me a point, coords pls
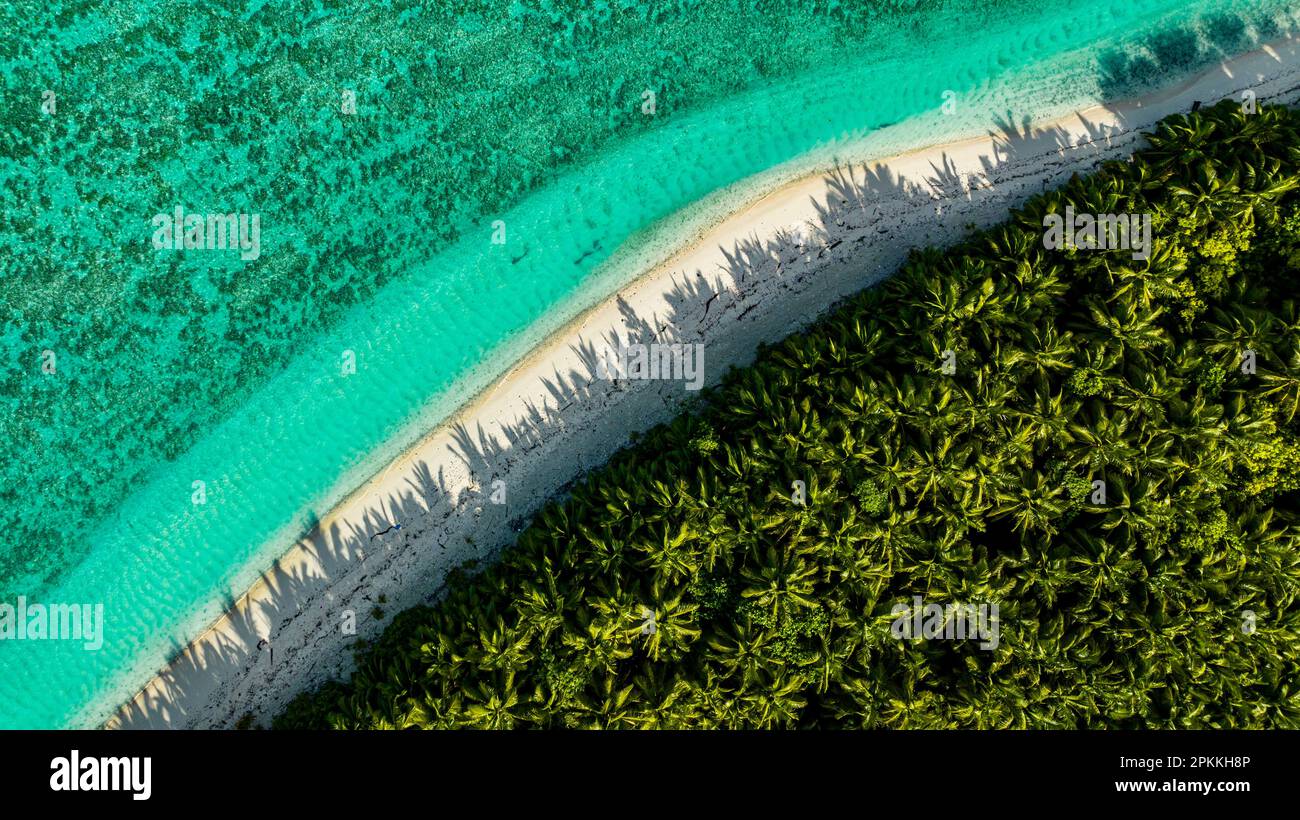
(296, 611)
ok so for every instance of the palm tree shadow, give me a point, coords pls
(575, 420)
(300, 605)
(1142, 65)
(323, 584)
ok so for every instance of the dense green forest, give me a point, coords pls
(1170, 603)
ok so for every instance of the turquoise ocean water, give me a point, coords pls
(202, 367)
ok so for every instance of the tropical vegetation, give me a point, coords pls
(1168, 600)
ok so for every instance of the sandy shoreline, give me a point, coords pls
(760, 274)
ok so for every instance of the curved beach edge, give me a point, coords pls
(757, 276)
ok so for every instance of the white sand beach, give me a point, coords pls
(757, 276)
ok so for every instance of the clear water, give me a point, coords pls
(101, 465)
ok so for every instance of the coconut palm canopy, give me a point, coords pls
(1104, 447)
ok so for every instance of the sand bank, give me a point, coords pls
(757, 276)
